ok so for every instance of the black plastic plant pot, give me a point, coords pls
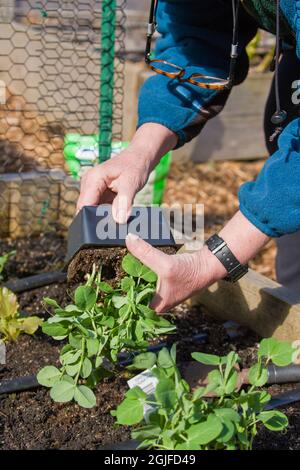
(95, 227)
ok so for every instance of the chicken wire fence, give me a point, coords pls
(61, 80)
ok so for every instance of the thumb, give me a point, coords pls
(147, 254)
(122, 204)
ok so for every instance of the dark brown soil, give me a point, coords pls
(40, 253)
(109, 259)
(30, 420)
(32, 301)
(33, 421)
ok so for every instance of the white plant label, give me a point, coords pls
(147, 382)
(2, 353)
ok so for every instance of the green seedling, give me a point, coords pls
(102, 322)
(3, 261)
(12, 323)
(182, 419)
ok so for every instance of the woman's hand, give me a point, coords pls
(117, 180)
(180, 275)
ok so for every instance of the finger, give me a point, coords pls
(156, 303)
(147, 254)
(92, 188)
(122, 205)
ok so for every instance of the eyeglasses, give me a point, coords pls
(170, 70)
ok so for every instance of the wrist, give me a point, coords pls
(243, 238)
(142, 156)
(151, 142)
(210, 267)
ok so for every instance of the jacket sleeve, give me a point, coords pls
(195, 34)
(272, 202)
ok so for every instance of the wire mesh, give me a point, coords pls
(50, 70)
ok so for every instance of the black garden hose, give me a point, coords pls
(283, 375)
(33, 282)
(284, 399)
(30, 382)
(20, 384)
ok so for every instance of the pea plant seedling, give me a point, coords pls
(181, 419)
(102, 322)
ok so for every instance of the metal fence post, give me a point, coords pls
(108, 36)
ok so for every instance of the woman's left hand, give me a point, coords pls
(179, 276)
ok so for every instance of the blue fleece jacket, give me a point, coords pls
(196, 34)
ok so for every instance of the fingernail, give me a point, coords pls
(132, 237)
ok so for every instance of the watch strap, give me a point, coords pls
(220, 249)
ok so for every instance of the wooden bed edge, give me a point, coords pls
(256, 302)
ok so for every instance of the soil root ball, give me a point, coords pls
(108, 259)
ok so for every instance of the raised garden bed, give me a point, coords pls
(31, 420)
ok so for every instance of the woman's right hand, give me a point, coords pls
(117, 180)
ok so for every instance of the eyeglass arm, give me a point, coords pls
(148, 49)
(234, 45)
(234, 51)
(233, 61)
(151, 28)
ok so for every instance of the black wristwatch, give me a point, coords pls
(220, 249)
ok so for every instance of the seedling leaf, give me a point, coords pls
(63, 391)
(85, 297)
(258, 375)
(207, 359)
(48, 376)
(164, 359)
(130, 412)
(86, 368)
(85, 397)
(105, 287)
(143, 361)
(132, 266)
(55, 329)
(279, 352)
(203, 433)
(274, 420)
(166, 394)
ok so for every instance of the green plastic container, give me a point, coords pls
(82, 152)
